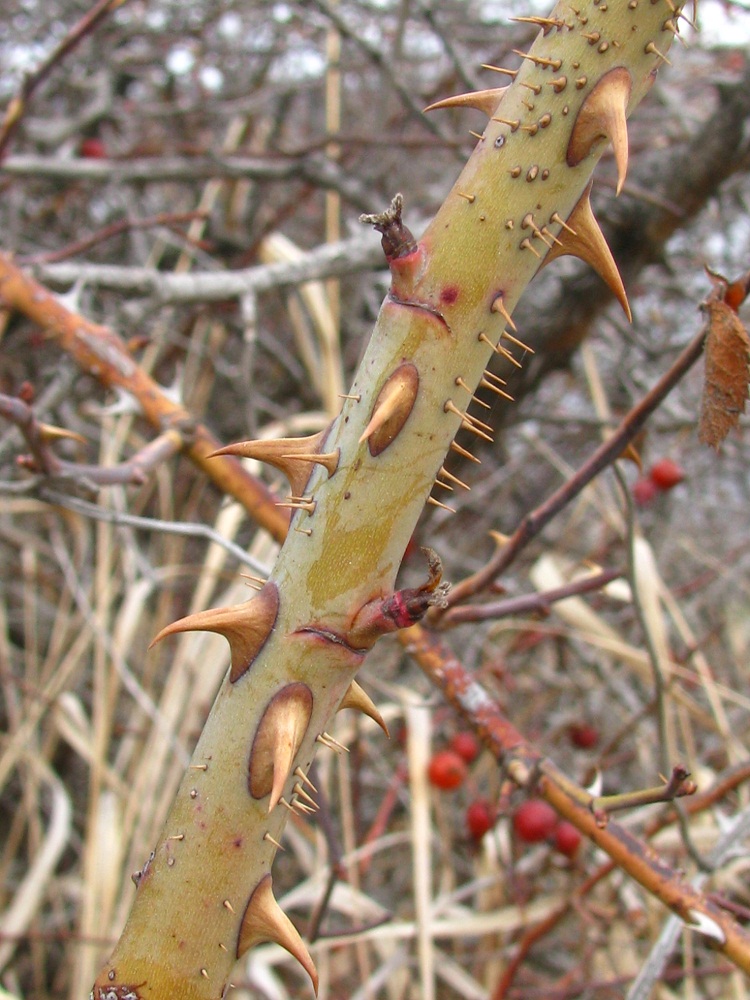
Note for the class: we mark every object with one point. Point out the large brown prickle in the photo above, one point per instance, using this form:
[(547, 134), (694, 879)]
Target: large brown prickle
[(358, 699), (392, 408), (277, 740), (264, 920), (580, 236), (602, 117), (482, 100), (245, 626), (292, 456)]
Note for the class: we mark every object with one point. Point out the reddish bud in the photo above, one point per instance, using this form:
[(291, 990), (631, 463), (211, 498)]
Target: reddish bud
[(397, 240)]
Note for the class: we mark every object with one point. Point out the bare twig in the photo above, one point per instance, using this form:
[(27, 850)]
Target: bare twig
[(736, 831), (677, 786), (360, 253), (528, 603), (171, 219), (44, 461), (311, 169), (389, 72), (120, 518), (97, 350)]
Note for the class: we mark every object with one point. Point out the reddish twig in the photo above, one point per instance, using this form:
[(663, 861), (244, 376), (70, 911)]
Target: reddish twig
[(698, 803), (45, 462), (527, 603)]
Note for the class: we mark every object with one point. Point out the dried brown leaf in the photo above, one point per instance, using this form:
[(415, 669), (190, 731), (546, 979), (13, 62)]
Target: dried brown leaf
[(726, 385)]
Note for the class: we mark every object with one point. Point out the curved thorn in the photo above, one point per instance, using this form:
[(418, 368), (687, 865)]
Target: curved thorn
[(246, 627), (392, 407), (292, 456), (482, 100), (603, 116), (277, 741), (356, 697), (583, 238), (264, 920)]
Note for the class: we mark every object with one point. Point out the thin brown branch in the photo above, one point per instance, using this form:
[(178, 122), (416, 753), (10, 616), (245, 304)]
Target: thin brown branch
[(528, 604), (43, 460), (385, 65), (170, 219), (698, 803)]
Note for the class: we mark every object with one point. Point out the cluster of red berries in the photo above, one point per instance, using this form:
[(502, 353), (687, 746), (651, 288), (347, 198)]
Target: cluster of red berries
[(448, 770), (533, 821), (663, 475)]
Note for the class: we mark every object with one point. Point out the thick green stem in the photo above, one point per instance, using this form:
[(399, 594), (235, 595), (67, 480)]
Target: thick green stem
[(205, 896)]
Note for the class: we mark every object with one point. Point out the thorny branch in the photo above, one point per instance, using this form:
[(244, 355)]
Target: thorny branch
[(699, 802), (105, 172), (43, 460)]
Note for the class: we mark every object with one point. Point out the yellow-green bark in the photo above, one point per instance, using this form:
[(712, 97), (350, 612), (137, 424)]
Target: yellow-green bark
[(525, 177)]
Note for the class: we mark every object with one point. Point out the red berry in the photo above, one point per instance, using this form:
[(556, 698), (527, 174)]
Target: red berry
[(583, 735), (479, 818), (534, 820), (644, 491), (447, 770), (92, 149), (567, 838), (466, 746), (666, 474)]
